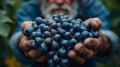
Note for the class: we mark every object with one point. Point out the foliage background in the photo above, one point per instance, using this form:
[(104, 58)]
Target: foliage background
[(8, 10)]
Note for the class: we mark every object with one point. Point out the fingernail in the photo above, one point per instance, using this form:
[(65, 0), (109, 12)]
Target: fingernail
[(72, 54), (78, 46)]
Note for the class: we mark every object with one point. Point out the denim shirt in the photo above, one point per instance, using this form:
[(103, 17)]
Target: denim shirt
[(28, 11)]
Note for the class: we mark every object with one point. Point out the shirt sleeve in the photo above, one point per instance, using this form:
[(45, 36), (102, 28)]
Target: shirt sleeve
[(14, 45), (95, 9), (22, 15)]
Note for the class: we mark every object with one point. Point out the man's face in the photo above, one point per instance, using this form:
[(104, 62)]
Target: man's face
[(60, 3), (50, 7)]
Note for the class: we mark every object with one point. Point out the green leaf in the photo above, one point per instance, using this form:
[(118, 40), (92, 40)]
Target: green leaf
[(4, 30), (4, 18), (2, 12)]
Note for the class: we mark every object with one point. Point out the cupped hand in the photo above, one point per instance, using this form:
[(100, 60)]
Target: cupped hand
[(24, 45)]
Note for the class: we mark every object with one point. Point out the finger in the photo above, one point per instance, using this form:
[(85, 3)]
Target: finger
[(42, 58), (73, 55), (83, 51), (25, 45), (103, 38), (88, 20), (92, 43), (80, 59), (34, 54), (23, 37), (25, 24), (95, 23)]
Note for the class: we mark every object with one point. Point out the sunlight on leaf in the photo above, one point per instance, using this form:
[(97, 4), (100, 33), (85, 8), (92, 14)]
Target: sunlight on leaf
[(4, 30)]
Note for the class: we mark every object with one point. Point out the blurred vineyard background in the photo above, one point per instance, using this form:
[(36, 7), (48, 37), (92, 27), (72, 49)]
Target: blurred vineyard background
[(8, 10)]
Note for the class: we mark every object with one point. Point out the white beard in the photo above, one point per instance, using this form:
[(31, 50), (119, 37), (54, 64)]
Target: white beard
[(46, 9)]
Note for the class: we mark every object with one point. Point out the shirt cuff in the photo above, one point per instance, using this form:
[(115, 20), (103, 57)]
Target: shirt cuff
[(114, 44), (14, 45)]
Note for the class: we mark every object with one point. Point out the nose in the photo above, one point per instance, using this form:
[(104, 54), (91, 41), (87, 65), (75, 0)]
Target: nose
[(59, 2)]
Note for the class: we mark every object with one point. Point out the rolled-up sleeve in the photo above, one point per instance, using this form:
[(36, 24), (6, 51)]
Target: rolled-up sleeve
[(113, 39), (14, 45), (22, 15), (95, 9)]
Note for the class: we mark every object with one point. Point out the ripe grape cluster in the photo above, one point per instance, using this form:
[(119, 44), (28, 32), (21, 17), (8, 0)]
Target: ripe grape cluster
[(57, 37)]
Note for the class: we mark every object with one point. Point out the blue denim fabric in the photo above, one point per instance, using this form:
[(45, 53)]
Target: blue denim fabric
[(28, 11)]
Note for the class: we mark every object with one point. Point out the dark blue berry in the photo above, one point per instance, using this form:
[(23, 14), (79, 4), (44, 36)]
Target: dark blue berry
[(73, 21), (56, 19), (62, 53), (79, 20), (67, 35), (39, 30), (85, 34), (33, 35), (64, 62), (28, 31), (43, 48), (55, 45), (83, 28), (71, 31), (38, 20), (61, 32), (57, 37), (38, 34), (56, 58), (65, 43), (59, 25), (33, 45), (72, 42), (47, 34), (96, 34), (76, 28), (71, 25), (51, 54), (45, 21), (91, 35), (77, 35), (61, 14), (51, 63), (35, 27), (53, 31), (55, 15), (66, 26), (38, 41), (63, 19), (41, 26), (54, 25), (46, 28), (48, 41)]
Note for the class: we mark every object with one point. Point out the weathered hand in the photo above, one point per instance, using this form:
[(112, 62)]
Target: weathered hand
[(25, 46), (90, 46)]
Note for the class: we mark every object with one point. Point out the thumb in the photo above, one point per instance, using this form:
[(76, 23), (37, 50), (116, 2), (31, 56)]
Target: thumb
[(26, 24), (95, 23)]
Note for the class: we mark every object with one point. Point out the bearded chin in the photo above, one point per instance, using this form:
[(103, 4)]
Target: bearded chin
[(46, 10)]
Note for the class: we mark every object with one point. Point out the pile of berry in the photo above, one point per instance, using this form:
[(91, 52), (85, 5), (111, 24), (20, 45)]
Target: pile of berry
[(57, 37)]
